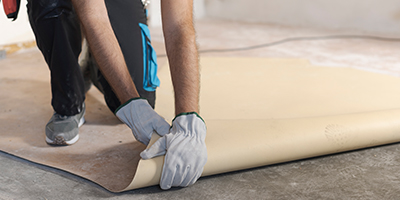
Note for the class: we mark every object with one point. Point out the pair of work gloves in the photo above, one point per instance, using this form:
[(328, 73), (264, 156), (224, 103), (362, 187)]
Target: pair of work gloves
[(183, 143)]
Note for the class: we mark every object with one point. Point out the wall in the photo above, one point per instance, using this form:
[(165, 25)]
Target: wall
[(377, 16), (20, 31), (16, 31)]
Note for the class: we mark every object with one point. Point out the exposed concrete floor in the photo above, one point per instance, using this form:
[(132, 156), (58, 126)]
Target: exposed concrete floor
[(364, 174)]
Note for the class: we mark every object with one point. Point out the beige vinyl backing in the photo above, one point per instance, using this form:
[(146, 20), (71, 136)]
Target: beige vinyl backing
[(258, 111)]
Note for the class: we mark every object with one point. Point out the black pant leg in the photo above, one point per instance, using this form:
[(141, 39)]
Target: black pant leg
[(58, 36), (125, 16)]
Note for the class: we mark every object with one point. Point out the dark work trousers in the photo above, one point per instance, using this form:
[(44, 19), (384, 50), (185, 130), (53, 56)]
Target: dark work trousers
[(58, 36)]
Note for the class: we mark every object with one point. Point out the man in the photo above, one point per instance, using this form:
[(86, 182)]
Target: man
[(184, 143)]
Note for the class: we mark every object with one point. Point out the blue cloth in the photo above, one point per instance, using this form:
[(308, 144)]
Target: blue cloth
[(150, 79)]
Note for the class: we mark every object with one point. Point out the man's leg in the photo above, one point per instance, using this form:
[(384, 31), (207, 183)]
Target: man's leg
[(125, 17), (58, 36)]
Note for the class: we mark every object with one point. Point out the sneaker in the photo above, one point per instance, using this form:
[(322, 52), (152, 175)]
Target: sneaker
[(63, 130)]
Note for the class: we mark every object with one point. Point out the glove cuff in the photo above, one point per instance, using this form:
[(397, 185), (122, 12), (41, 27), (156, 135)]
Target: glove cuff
[(126, 103), (188, 113)]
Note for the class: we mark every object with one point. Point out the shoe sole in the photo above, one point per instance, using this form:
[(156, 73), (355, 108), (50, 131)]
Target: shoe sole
[(60, 141)]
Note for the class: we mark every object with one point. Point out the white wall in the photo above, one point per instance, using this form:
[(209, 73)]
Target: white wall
[(16, 31), (20, 30), (378, 16)]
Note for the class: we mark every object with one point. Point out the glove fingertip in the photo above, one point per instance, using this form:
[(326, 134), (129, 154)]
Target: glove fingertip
[(162, 129), (157, 149), (145, 155), (165, 187)]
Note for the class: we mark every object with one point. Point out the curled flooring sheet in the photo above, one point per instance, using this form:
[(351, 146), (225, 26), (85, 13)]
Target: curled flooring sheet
[(258, 112)]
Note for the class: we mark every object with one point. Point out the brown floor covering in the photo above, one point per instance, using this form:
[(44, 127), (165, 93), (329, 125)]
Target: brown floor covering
[(370, 55)]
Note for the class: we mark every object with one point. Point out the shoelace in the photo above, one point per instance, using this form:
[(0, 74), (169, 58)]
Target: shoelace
[(60, 116)]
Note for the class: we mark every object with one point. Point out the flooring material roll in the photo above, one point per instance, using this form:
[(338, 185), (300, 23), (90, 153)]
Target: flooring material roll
[(258, 112), (266, 111)]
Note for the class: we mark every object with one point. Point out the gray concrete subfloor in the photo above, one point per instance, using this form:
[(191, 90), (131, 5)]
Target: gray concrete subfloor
[(363, 174)]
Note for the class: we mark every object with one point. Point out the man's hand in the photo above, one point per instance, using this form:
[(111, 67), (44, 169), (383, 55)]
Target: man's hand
[(142, 119), (185, 151)]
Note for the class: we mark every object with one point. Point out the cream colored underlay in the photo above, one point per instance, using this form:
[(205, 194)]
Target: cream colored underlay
[(262, 111), (258, 111)]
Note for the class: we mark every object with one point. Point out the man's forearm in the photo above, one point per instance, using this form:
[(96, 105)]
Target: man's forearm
[(180, 41), (183, 60), (105, 48)]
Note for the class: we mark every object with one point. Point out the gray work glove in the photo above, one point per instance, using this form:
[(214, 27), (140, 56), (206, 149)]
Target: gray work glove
[(185, 151), (142, 119)]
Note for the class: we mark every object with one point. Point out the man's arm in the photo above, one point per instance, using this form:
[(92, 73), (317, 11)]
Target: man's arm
[(184, 146), (180, 42), (105, 48), (136, 113)]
